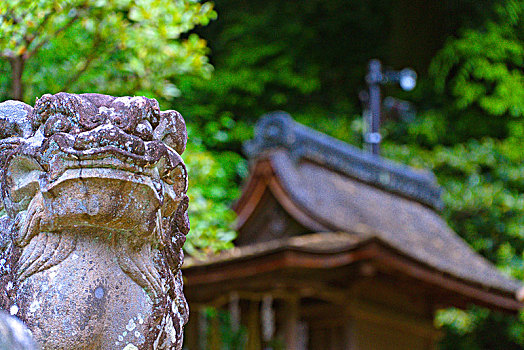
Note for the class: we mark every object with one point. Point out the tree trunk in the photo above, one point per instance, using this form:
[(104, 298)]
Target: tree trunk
[(17, 69)]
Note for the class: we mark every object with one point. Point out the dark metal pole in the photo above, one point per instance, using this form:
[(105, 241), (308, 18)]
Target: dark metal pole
[(374, 80)]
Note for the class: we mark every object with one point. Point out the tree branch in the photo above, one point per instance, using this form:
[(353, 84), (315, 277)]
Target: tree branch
[(31, 53), (29, 40), (10, 12)]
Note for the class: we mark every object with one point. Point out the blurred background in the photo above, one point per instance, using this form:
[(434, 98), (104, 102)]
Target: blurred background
[(224, 64)]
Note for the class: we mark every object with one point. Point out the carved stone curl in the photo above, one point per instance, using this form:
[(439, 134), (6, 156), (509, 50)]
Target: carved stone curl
[(94, 193)]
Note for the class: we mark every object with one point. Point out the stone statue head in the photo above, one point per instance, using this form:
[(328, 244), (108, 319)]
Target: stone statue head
[(95, 215)]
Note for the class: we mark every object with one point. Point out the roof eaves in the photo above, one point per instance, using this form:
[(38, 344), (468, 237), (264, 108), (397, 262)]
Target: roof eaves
[(382, 253)]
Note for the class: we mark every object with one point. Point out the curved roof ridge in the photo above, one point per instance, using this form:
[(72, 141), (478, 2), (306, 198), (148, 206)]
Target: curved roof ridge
[(279, 130)]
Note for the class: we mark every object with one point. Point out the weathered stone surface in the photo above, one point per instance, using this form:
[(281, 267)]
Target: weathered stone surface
[(94, 189)]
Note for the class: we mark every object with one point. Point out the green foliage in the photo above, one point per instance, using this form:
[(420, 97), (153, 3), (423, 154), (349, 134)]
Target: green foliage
[(306, 57), (483, 68), (223, 336), (212, 190), (272, 55), (477, 329), (109, 46)]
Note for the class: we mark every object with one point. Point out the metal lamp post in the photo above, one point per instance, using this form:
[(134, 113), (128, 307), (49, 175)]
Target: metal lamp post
[(406, 78)]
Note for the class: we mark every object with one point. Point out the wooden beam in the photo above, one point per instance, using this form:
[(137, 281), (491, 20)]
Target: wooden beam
[(291, 319), (262, 178), (478, 294), (274, 261), (379, 314), (250, 200), (384, 258), (261, 170), (289, 289)]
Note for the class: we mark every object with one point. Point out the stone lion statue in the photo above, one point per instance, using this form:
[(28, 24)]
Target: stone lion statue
[(95, 216)]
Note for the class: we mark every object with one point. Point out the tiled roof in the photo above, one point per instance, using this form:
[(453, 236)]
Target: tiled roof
[(278, 130)]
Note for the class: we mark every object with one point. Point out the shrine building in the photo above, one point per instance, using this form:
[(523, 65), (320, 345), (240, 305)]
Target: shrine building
[(339, 249)]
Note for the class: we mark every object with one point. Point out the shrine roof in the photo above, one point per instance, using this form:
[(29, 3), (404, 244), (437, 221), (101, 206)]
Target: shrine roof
[(279, 131), (327, 185)]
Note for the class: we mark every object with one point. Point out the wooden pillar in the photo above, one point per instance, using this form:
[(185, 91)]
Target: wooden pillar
[(253, 327), (215, 341), (291, 319), (234, 311), (350, 336), (191, 330)]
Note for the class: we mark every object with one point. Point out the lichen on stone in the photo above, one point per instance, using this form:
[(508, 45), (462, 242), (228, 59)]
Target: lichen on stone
[(94, 193)]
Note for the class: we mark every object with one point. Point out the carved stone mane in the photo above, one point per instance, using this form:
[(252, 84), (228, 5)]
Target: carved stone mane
[(94, 193)]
